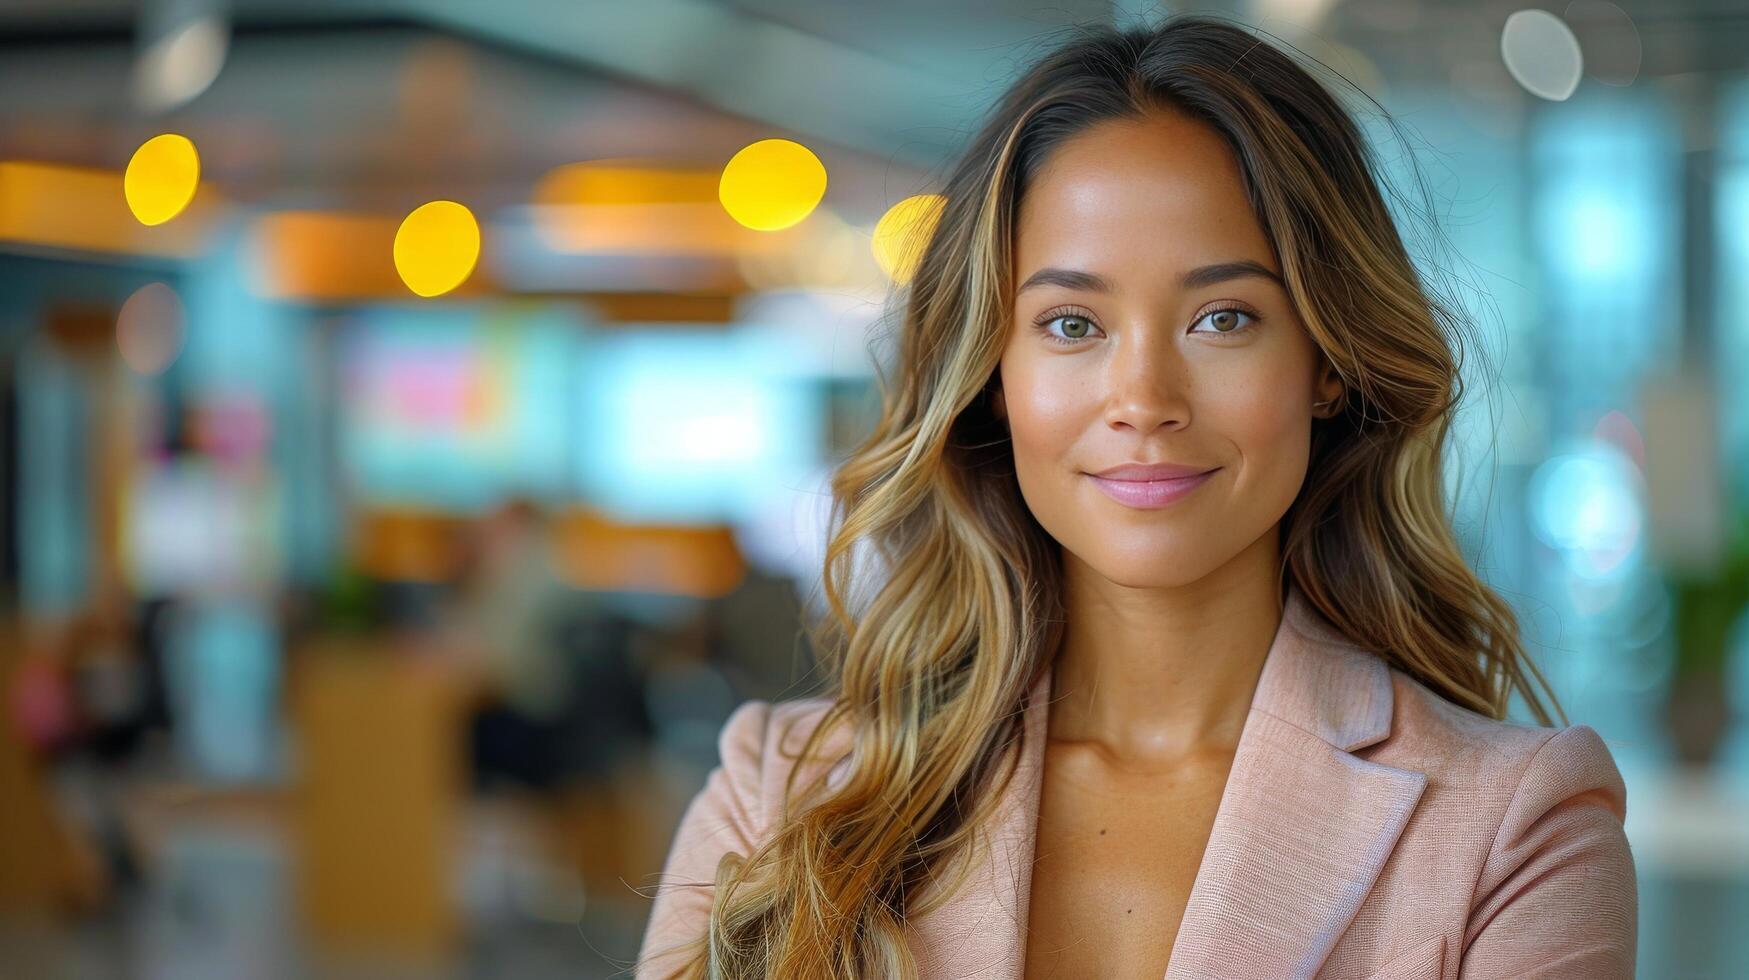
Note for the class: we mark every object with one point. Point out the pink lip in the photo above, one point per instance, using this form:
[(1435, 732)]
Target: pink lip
[(1147, 494), (1152, 471)]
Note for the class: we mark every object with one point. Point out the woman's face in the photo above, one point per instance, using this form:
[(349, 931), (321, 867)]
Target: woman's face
[(1150, 326)]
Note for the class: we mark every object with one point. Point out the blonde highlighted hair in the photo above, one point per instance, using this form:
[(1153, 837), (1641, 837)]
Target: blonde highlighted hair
[(930, 666)]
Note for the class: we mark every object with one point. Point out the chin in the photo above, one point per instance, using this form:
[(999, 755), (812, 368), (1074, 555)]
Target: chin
[(1164, 568)]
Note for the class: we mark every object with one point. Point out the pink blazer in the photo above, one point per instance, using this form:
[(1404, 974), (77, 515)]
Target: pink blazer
[(1368, 828)]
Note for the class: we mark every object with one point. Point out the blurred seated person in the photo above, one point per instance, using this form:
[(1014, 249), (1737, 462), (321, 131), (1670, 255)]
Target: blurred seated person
[(501, 625), (560, 720)]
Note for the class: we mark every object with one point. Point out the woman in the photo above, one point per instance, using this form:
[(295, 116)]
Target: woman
[(1174, 667)]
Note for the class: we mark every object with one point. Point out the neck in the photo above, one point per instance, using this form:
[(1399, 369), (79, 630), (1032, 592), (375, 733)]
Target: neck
[(1156, 674)]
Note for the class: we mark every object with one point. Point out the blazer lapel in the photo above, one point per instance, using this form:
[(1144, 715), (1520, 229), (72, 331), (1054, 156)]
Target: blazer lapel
[(1304, 826), (1302, 830)]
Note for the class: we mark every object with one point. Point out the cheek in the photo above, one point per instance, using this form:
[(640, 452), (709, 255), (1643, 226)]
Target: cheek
[(1271, 433), (1259, 417), (1044, 412)]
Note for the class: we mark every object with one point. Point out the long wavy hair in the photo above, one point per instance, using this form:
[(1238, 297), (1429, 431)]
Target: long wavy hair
[(931, 655)]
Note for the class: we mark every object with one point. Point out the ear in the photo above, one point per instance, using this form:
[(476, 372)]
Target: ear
[(998, 406), (1328, 389)]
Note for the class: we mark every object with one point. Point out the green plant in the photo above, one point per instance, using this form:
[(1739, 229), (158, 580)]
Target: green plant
[(1706, 607)]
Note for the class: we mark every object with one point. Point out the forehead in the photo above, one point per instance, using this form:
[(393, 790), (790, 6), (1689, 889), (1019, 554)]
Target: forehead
[(1136, 199)]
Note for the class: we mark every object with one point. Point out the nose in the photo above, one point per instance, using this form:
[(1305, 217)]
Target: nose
[(1146, 382)]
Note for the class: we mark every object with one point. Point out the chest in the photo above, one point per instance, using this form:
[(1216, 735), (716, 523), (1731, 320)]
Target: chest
[(1114, 861)]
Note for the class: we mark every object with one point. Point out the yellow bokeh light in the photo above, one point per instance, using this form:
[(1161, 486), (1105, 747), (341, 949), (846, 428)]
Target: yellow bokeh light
[(436, 247), (161, 178), (902, 233), (772, 184)]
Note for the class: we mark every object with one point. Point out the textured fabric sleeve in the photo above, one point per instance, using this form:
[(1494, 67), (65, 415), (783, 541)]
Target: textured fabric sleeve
[(1557, 896), (724, 816)]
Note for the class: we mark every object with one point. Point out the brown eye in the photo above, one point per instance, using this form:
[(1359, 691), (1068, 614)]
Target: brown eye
[(1076, 328), (1227, 320)]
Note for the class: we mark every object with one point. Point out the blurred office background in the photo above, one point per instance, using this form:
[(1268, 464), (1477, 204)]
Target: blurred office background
[(414, 419)]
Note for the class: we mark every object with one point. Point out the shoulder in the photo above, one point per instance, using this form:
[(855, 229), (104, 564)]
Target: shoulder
[(1549, 802), (1545, 806), (1464, 746), (759, 746), (731, 814), (1556, 886)]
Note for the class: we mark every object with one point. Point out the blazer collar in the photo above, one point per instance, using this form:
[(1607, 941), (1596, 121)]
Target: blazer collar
[(1302, 830)]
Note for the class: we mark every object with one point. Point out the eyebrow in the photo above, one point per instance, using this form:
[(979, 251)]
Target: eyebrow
[(1197, 278)]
